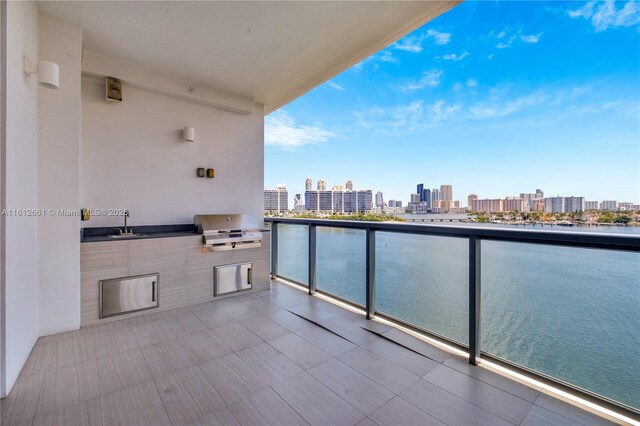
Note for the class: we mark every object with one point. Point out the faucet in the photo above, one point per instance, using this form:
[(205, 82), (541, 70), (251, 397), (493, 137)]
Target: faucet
[(126, 230)]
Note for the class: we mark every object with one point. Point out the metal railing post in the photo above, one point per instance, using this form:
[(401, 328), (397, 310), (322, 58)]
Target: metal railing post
[(312, 259), (371, 274), (274, 249), (474, 299)]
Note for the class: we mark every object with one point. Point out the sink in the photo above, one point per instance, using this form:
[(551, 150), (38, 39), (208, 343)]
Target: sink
[(125, 236)]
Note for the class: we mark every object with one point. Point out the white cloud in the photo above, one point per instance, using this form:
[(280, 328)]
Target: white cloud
[(532, 38), (585, 11), (506, 40), (490, 56), (502, 109), (454, 57), (386, 56), (281, 130), (440, 112), (336, 86), (383, 56), (439, 37), (472, 82), (411, 44), (430, 78), (408, 117), (507, 43), (604, 15), (398, 117)]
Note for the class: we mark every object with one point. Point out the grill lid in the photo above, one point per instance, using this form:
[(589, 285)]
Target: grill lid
[(228, 232), (227, 223)]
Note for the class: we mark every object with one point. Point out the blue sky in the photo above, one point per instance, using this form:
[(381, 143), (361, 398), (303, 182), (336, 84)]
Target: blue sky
[(494, 98)]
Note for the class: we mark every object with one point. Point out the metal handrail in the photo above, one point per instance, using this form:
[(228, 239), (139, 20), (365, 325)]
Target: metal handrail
[(598, 240), (475, 236)]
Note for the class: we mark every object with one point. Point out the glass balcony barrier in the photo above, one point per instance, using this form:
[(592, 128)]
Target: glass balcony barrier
[(563, 306)]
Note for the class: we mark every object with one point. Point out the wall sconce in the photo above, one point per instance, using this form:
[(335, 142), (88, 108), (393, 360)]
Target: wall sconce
[(48, 72), (189, 134)]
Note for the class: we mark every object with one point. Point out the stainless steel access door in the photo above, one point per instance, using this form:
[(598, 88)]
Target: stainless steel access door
[(123, 295), (231, 278)]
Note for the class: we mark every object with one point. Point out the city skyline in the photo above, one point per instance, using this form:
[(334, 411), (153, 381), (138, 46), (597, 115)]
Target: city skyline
[(538, 194), (494, 97)]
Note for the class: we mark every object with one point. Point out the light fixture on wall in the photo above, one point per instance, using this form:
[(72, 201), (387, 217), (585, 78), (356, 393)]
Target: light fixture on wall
[(48, 72), (189, 134)]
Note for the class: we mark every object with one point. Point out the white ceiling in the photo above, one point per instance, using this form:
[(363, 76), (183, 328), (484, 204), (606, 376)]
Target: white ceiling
[(272, 52)]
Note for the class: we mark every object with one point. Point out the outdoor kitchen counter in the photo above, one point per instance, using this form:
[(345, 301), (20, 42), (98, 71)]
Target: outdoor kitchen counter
[(99, 234), (185, 272)]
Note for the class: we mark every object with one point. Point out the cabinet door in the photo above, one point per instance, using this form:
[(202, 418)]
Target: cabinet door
[(124, 295), (231, 278)]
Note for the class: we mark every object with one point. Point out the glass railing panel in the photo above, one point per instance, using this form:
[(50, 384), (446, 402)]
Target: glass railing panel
[(293, 252), (341, 262), (569, 313), (424, 280)]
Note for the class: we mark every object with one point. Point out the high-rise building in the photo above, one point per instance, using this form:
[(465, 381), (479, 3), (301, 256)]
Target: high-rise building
[(337, 200), (349, 185), (350, 201), (513, 204), (539, 193), (609, 205), (528, 199), (574, 204), (446, 192), (470, 199), (487, 205), (379, 199), (276, 200), (419, 189), (537, 204), (591, 205), (554, 205), (308, 184), (325, 201), (625, 206), (364, 200), (435, 198), (311, 200), (298, 203), (426, 197), (415, 198)]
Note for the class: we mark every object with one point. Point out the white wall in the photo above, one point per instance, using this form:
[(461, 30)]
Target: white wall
[(21, 180), (132, 157), (59, 179), (68, 148)]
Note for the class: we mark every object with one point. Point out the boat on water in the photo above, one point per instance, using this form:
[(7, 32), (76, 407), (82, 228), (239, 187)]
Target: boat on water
[(565, 223)]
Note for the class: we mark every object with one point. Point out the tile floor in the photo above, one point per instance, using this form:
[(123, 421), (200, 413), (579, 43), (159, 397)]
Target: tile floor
[(254, 359)]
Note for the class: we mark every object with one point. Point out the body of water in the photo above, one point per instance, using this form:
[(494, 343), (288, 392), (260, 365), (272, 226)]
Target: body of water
[(570, 313)]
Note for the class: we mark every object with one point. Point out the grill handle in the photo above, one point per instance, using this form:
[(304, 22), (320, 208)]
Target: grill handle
[(249, 276)]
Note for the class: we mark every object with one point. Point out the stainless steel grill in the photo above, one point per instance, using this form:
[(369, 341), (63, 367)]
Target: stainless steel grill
[(222, 232)]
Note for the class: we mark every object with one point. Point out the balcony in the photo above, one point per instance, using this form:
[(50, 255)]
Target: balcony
[(357, 336), (557, 307), (275, 357)]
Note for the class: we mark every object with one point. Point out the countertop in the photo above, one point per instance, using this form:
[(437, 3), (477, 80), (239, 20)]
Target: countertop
[(98, 234), (92, 235)]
